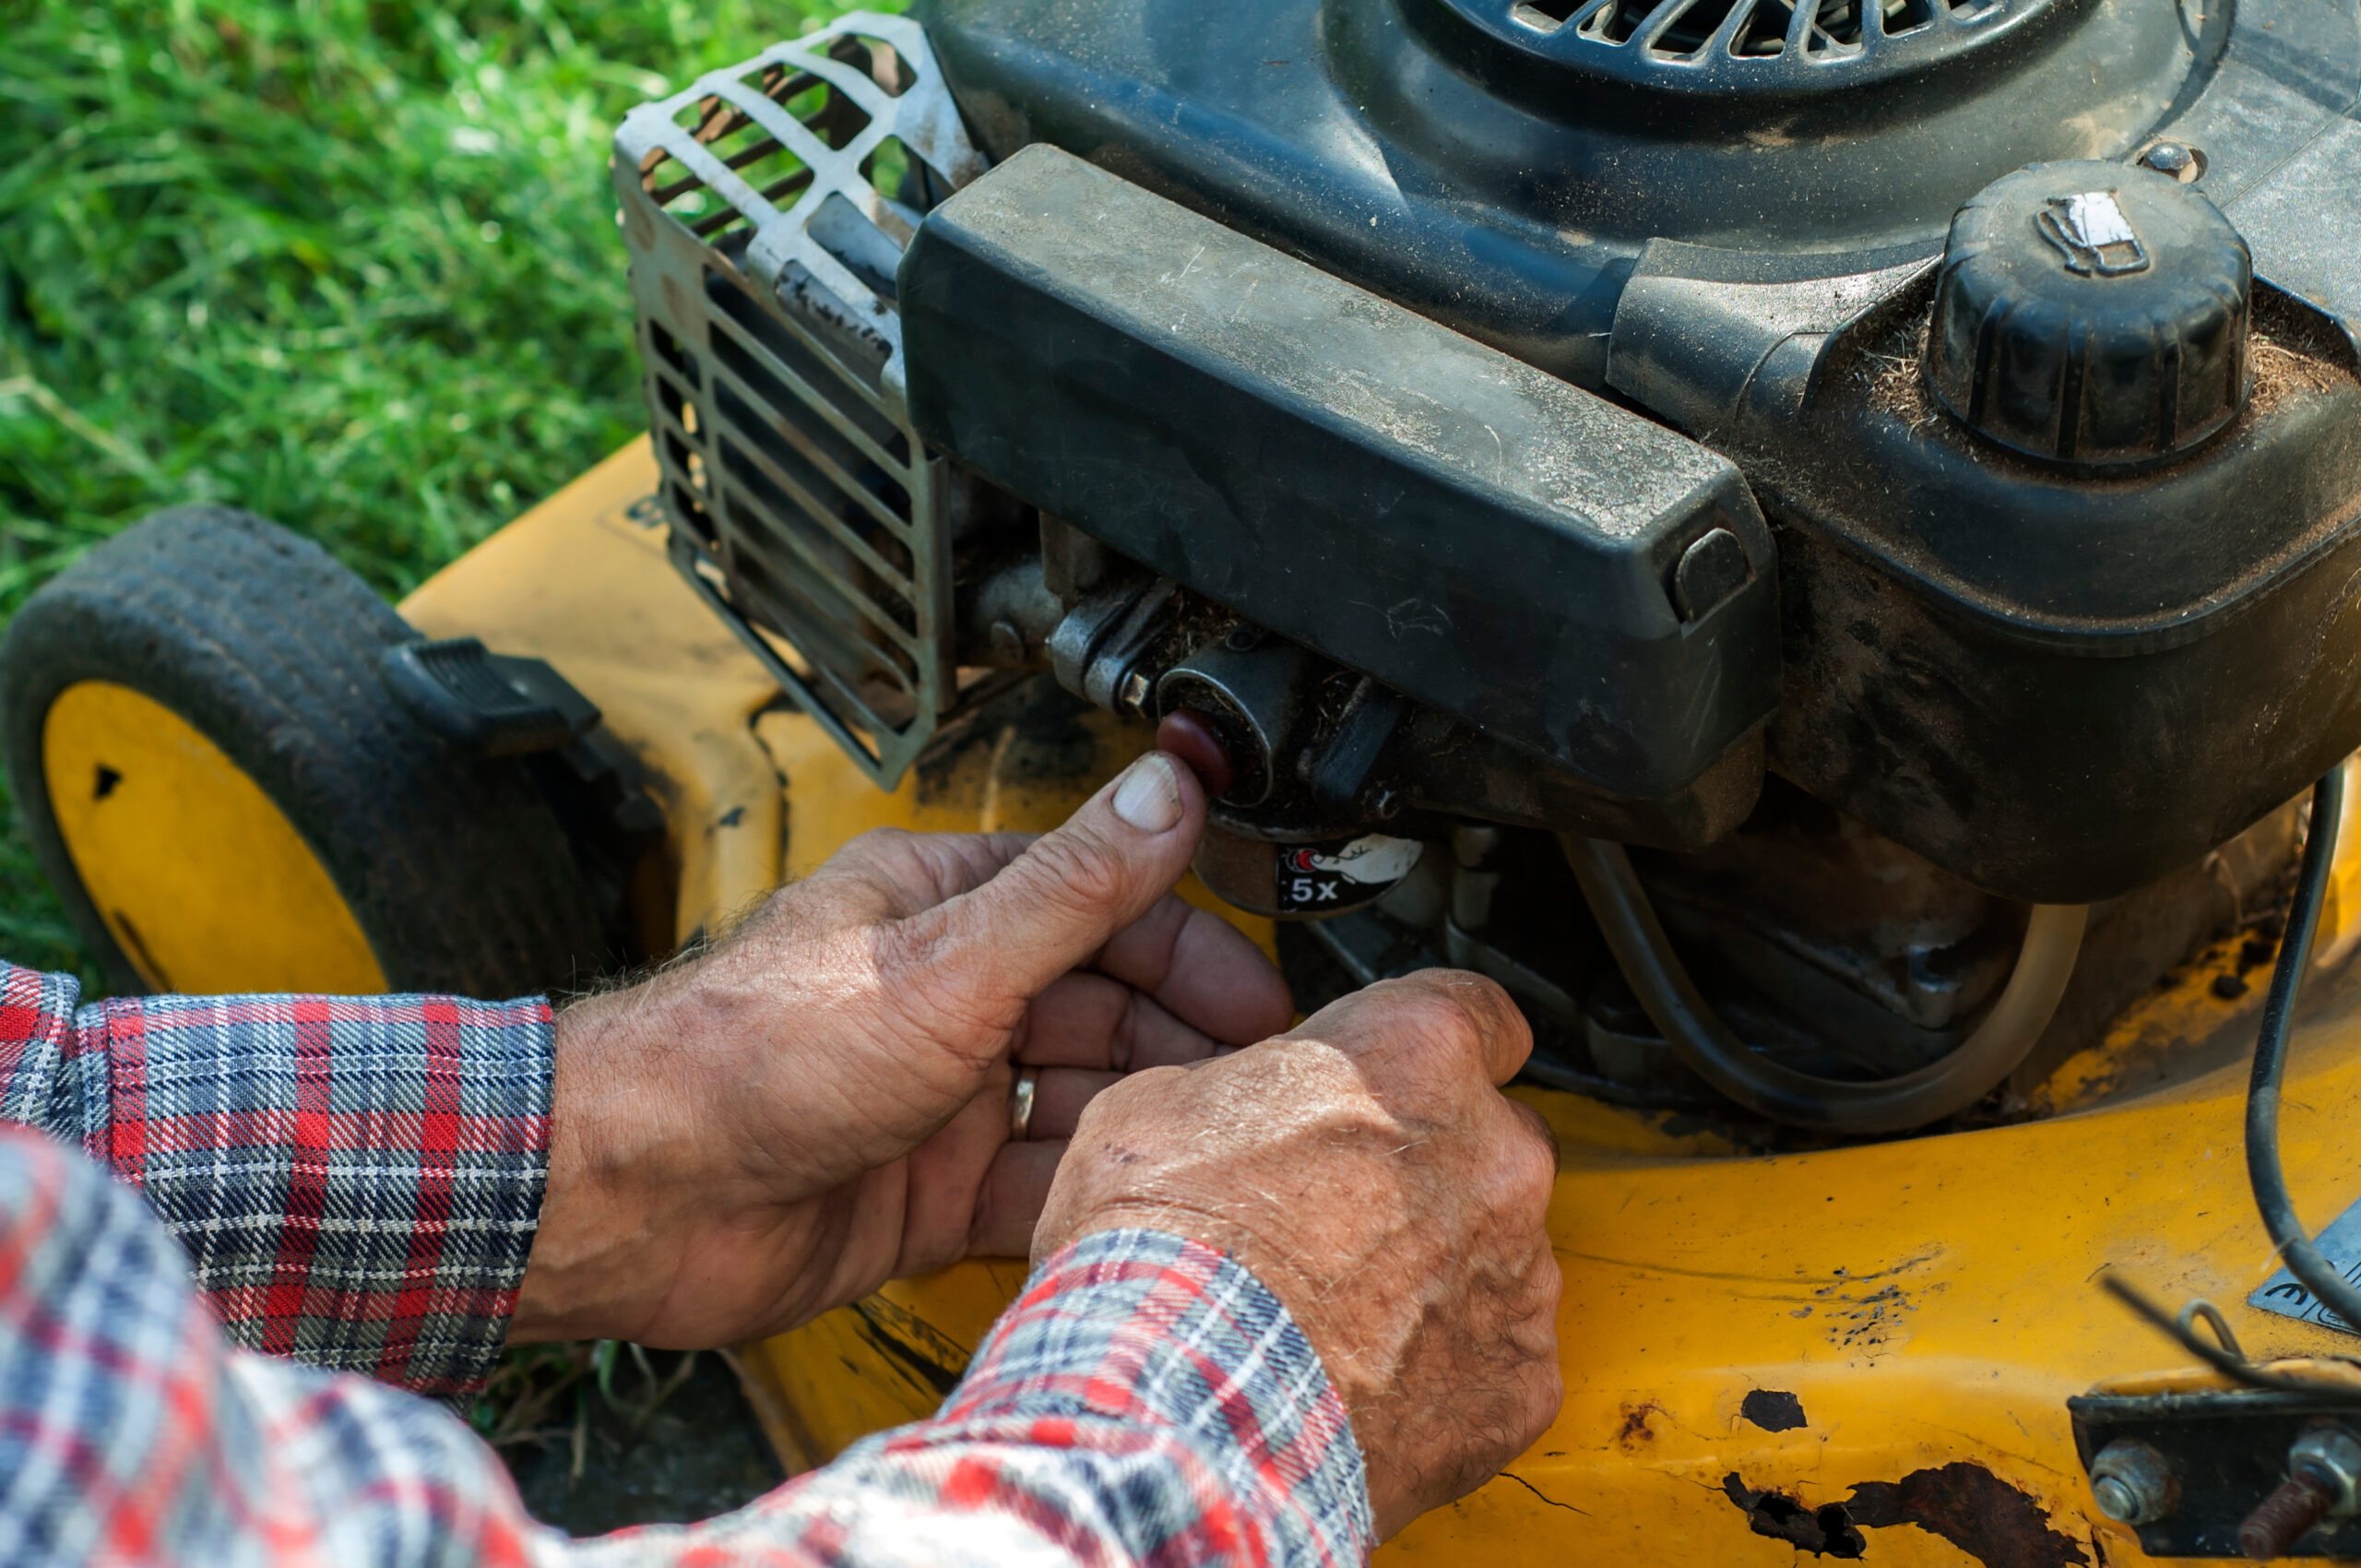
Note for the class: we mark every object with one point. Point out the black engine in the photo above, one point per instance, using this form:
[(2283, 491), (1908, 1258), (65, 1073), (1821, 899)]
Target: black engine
[(1512, 427)]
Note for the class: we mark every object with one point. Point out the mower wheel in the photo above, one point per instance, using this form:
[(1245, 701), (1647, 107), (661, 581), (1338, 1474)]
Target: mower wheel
[(227, 797)]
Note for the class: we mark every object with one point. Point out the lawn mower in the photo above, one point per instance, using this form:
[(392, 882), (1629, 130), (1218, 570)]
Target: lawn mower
[(1817, 542)]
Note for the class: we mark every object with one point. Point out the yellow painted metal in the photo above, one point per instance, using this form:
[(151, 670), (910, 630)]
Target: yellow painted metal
[(1928, 1303), (582, 580), (203, 882)]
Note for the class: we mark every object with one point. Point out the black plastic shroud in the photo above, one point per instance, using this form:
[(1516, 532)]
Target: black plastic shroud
[(1506, 192), (2057, 684), (1471, 531)]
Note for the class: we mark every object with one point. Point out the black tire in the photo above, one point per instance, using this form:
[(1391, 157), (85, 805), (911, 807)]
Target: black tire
[(455, 867)]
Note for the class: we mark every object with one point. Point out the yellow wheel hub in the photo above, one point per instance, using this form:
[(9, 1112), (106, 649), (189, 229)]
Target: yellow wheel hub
[(202, 881)]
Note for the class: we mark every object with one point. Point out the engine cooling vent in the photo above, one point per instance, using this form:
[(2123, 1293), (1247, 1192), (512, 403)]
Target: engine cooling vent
[(765, 208), (1740, 45)]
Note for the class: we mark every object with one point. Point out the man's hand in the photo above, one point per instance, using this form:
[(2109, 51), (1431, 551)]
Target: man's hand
[(1365, 1169), (821, 1102)]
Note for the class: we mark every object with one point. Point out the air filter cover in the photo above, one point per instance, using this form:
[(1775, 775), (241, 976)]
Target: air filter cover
[(2091, 314)]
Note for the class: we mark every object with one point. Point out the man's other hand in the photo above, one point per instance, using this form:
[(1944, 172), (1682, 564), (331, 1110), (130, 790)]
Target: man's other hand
[(821, 1102), (1367, 1171)]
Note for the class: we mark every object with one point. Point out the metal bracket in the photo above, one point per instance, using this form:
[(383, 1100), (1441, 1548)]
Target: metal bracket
[(765, 208)]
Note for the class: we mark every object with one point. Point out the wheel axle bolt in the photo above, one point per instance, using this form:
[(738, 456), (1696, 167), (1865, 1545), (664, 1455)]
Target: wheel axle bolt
[(2133, 1484), (2323, 1483)]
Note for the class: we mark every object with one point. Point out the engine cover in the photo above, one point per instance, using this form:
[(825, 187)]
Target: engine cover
[(2057, 659), (1475, 162)]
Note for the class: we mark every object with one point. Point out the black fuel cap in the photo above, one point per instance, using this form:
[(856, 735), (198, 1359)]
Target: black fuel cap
[(2092, 312)]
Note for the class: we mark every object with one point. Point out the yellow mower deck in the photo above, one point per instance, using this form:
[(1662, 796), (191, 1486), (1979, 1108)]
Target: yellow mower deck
[(1908, 1317)]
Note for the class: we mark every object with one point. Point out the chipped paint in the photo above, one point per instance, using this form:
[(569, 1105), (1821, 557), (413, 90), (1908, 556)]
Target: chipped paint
[(1963, 1502), (1773, 1410), (1968, 1505)]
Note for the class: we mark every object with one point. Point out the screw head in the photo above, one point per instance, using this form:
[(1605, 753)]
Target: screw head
[(2116, 1500), (2178, 160), (2133, 1484)]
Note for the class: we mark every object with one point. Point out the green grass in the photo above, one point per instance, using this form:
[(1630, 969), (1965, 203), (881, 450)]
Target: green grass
[(353, 266)]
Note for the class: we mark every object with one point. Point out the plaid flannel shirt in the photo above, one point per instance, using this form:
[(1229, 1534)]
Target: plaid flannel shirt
[(354, 1184)]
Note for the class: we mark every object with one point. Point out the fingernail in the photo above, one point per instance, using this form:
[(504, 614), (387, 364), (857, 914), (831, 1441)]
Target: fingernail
[(1149, 796)]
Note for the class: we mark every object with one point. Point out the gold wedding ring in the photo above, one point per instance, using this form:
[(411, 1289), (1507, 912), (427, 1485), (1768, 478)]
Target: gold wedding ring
[(1020, 1104)]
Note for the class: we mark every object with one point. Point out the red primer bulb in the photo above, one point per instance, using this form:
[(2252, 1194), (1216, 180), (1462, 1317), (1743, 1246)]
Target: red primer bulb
[(1192, 739)]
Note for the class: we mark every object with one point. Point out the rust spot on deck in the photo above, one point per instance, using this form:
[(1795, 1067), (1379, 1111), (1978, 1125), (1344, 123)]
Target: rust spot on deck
[(1634, 1432), (1972, 1509), (1963, 1502)]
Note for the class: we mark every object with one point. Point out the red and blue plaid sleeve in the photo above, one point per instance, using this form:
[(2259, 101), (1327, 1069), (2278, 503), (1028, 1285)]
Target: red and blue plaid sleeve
[(130, 1433), (355, 1181), (1146, 1402)]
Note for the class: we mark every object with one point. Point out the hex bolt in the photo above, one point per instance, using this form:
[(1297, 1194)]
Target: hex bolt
[(2324, 1482), (2134, 1483), (2330, 1455)]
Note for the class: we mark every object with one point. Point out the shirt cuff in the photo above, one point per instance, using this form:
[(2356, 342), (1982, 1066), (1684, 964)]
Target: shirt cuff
[(1154, 1332), (356, 1180)]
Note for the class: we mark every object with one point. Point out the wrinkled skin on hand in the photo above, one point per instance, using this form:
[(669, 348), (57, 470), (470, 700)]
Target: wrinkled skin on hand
[(1367, 1171), (821, 1102)]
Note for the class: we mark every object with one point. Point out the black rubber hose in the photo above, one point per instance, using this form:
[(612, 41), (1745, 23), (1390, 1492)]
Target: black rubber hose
[(2287, 1234), (1698, 1036)]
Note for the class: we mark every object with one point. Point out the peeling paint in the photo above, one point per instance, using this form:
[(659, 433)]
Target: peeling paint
[(1974, 1510), (1997, 1524), (1773, 1410), (1869, 1320), (1825, 1531)]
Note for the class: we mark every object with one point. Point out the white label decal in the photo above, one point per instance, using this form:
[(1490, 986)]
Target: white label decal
[(2341, 1244)]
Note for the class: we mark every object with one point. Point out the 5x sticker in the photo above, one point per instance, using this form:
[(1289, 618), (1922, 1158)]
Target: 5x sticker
[(1333, 877)]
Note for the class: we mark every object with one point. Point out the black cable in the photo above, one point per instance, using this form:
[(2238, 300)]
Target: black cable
[(2287, 1234), (2224, 1358), (1710, 1048)]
